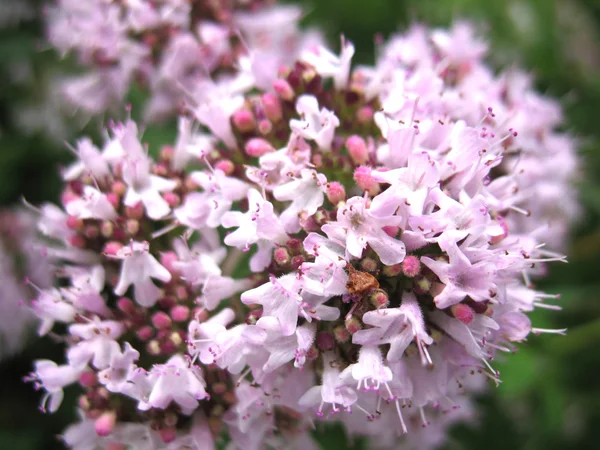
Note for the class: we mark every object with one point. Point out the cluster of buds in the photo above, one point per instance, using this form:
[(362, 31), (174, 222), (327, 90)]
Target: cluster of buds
[(166, 47), (340, 245)]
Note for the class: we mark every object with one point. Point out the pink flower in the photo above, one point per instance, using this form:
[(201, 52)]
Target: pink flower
[(461, 278), (138, 268), (315, 125), (356, 227)]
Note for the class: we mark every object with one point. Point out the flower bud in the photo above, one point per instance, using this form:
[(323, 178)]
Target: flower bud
[(257, 147), (325, 341), (180, 313), (132, 227), (265, 127), (463, 313), (353, 325), (297, 261), (172, 199), (112, 247), (364, 115), (422, 285), (281, 256), (88, 379), (161, 320), (340, 334), (107, 228), (335, 192), (74, 223), (379, 298), (167, 434), (135, 212), (392, 271), (119, 188), (368, 265), (168, 259), (105, 423), (283, 89), (145, 333), (244, 120), (363, 178), (167, 152), (272, 107), (226, 166), (357, 148), (411, 266)]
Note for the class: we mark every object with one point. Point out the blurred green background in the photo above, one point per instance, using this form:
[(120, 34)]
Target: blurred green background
[(550, 398)]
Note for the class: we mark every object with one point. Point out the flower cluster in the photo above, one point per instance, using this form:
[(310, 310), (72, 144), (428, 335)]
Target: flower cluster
[(348, 245), (19, 259), (167, 47)]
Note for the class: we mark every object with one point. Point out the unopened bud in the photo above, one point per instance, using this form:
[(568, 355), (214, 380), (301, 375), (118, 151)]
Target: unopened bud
[(226, 166), (335, 192), (244, 120), (368, 265), (167, 152), (112, 247), (411, 266), (379, 298), (272, 107), (265, 126), (135, 212), (74, 223), (172, 199), (257, 147), (364, 115), (325, 341), (340, 334), (107, 228), (105, 424), (132, 226), (357, 148), (363, 178), (161, 320), (145, 333), (392, 271), (180, 313), (281, 256), (168, 434), (283, 89), (353, 325), (463, 313), (422, 285), (119, 188), (297, 261)]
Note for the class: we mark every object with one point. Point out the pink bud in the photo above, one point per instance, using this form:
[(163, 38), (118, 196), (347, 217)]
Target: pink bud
[(297, 261), (325, 341), (77, 241), (113, 199), (392, 271), (362, 176), (180, 313), (88, 379), (172, 199), (135, 212), (107, 228), (357, 148), (368, 264), (112, 247), (283, 89), (126, 305), (91, 231), (281, 256), (168, 259), (353, 325), (226, 166), (391, 230), (74, 223), (161, 320), (364, 115), (294, 244), (105, 423), (265, 127), (145, 333), (119, 188), (244, 120), (132, 226), (411, 266), (463, 313), (167, 434), (341, 334), (272, 107), (167, 152), (336, 192), (257, 147), (379, 299)]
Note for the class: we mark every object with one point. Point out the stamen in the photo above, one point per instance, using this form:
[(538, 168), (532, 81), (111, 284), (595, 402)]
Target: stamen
[(537, 331)]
